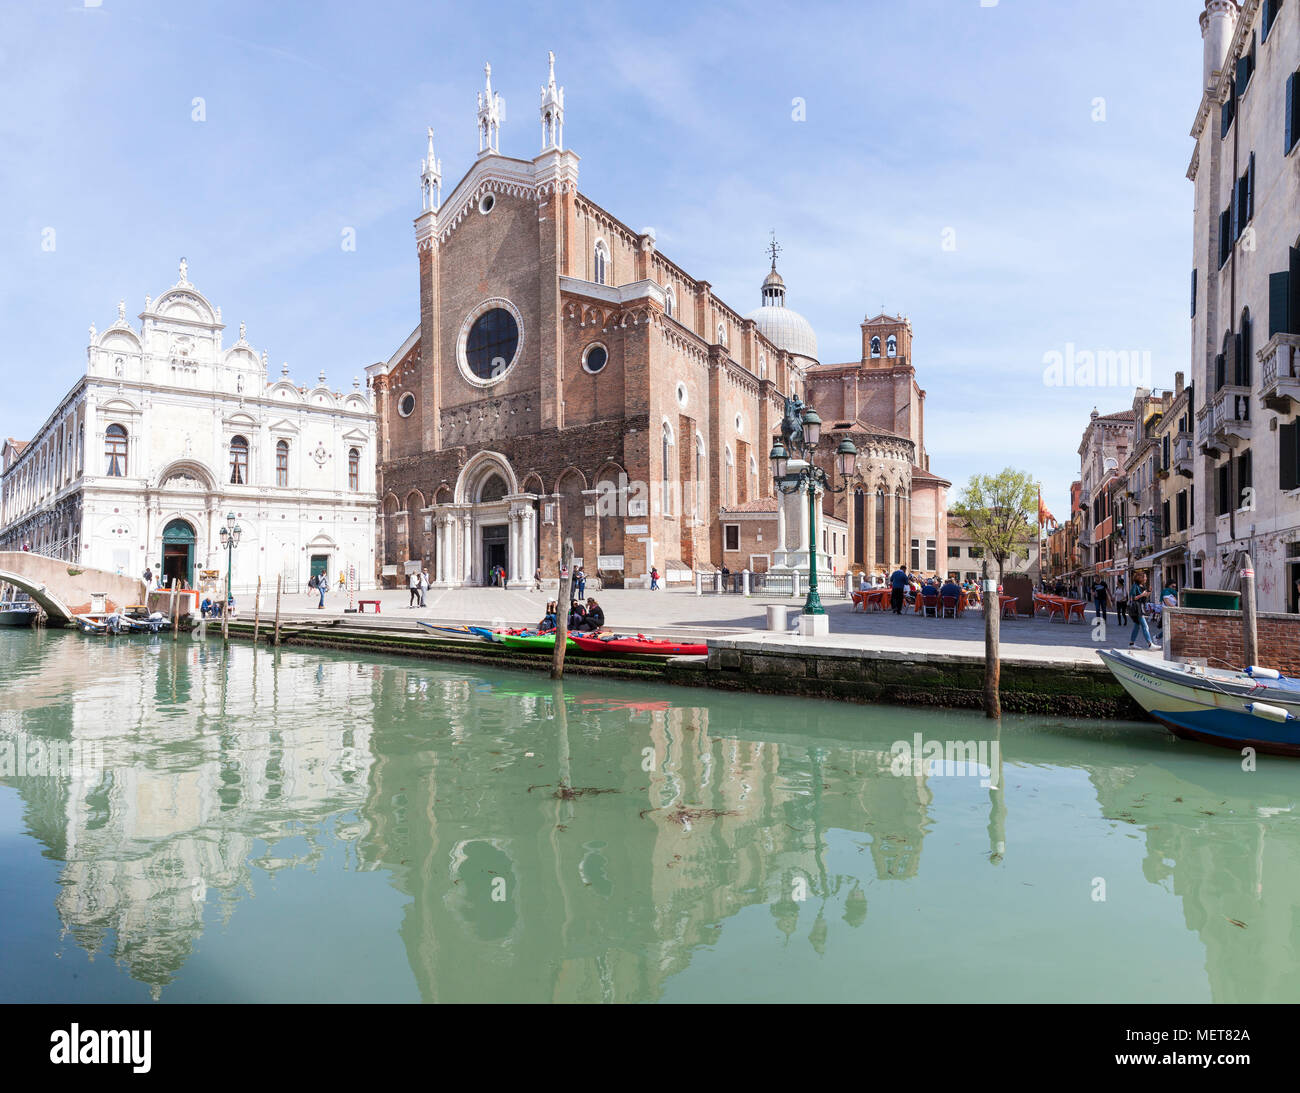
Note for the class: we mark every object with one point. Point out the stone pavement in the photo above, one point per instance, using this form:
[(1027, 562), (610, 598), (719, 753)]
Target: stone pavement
[(682, 613)]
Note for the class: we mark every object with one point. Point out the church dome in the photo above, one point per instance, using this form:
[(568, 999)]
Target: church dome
[(784, 328)]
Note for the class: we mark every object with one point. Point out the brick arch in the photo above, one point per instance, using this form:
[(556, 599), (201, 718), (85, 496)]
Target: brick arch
[(572, 510), (443, 495), (532, 483)]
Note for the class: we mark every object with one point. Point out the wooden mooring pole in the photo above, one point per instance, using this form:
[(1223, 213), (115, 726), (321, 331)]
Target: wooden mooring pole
[(1249, 627), (562, 610), (992, 654), (176, 614), (257, 611), (279, 585)]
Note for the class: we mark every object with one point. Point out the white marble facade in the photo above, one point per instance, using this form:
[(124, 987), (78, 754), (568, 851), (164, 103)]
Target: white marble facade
[(168, 431)]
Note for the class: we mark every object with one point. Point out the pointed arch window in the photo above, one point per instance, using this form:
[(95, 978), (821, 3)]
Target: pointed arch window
[(881, 560), (282, 463), (726, 479), (354, 470), (238, 461), (670, 303), (667, 443), (900, 500), (600, 263), (891, 346), (115, 451), (699, 475), (875, 345)]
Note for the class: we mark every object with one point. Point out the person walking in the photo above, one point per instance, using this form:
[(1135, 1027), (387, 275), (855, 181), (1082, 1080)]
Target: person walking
[(1099, 598), (537, 579), (897, 584), (148, 579), (1139, 594), (322, 585), (1121, 602), (654, 579), (413, 586), (424, 584), (312, 582)]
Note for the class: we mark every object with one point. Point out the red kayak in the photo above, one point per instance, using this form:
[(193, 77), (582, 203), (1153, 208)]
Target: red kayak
[(637, 643)]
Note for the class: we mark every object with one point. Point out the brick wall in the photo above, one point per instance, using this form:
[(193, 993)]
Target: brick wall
[(1215, 637)]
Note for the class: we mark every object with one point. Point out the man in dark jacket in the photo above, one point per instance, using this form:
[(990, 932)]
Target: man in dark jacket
[(897, 585), (594, 620)]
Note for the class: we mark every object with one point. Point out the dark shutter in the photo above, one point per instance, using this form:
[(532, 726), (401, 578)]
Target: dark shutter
[(1279, 299), (1293, 302), (1266, 21), (1243, 70), (1250, 188), (1288, 461), (1220, 370), (1193, 294), (1246, 324), (1291, 113), (1236, 359)]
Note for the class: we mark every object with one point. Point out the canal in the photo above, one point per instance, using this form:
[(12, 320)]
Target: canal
[(186, 823)]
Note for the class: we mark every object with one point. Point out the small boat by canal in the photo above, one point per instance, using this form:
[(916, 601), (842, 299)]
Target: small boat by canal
[(638, 644), (473, 633), (18, 612), (1257, 708), (533, 643)]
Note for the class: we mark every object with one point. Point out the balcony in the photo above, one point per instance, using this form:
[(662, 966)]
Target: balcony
[(1281, 371), (1225, 421), (1184, 455)]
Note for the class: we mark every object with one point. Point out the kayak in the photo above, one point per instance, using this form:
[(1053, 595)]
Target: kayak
[(536, 643), (640, 644), (475, 632)]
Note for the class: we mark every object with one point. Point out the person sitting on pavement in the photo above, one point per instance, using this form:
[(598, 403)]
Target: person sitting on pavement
[(576, 615), (593, 621), (549, 621)]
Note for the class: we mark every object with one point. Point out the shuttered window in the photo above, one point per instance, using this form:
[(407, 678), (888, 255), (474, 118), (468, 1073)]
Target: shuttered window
[(1193, 294), (1225, 240), (1226, 112), (1245, 479), (1292, 111), (1220, 369), (1181, 509), (1266, 20), (1288, 452), (1223, 498)]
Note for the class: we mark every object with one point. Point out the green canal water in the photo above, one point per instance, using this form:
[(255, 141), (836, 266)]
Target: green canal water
[(183, 823)]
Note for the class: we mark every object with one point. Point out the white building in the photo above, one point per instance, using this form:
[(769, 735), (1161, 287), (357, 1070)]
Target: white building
[(1245, 301), (167, 432)]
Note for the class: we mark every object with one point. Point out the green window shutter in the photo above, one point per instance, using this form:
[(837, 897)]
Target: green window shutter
[(1250, 188), (1245, 352), (1293, 302), (1236, 360), (1243, 71), (1279, 297), (1288, 462)]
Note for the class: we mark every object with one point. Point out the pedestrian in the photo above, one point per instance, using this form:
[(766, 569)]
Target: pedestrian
[(1121, 602), (424, 584), (580, 583), (148, 579), (413, 586), (897, 585), (537, 579), (311, 584), (1139, 594), (1099, 598), (654, 579), (343, 583), (322, 585)]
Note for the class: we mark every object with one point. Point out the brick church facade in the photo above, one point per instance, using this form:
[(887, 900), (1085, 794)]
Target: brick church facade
[(568, 380)]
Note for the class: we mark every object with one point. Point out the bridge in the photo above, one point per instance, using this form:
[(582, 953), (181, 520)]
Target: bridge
[(62, 588)]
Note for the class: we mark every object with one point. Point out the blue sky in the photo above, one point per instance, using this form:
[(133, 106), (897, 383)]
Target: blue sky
[(921, 116)]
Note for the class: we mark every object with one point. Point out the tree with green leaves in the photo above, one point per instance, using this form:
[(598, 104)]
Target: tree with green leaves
[(1001, 513)]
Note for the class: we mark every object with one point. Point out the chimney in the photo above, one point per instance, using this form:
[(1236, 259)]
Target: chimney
[(1218, 21)]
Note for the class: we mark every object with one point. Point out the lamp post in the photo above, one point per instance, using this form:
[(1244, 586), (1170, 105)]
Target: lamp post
[(801, 431), (229, 540)]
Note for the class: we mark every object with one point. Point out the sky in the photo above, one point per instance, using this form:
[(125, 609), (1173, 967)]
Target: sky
[(1009, 174)]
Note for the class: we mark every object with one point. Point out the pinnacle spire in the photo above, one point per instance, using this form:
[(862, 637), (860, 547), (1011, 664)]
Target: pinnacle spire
[(552, 110), (491, 106), (430, 178)]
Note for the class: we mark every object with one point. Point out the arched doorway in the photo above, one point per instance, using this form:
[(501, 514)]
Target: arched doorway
[(178, 554)]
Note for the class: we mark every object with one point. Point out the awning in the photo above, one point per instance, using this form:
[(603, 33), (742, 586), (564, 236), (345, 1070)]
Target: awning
[(1180, 548)]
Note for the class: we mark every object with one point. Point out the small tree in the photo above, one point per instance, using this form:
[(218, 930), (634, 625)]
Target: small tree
[(1001, 513)]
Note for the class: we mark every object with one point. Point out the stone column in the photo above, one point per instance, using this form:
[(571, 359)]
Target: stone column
[(512, 568), (440, 541), (780, 524), (467, 556)]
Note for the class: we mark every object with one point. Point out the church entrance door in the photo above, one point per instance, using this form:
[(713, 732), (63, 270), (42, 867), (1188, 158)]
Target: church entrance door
[(495, 549)]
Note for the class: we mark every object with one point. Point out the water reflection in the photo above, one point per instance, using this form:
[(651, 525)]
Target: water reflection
[(603, 842)]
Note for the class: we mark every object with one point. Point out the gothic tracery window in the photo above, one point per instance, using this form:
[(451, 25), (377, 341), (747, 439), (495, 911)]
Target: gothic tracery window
[(115, 451), (238, 461)]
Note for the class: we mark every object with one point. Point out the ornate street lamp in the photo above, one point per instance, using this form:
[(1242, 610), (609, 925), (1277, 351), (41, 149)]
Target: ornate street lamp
[(229, 540), (801, 430)]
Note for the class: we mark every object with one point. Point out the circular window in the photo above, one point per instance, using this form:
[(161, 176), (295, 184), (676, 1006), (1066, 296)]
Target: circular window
[(681, 395), (490, 342), (486, 203), (406, 405), (595, 358)]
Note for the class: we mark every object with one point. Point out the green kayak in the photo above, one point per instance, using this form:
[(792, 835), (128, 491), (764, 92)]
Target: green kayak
[(536, 642)]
